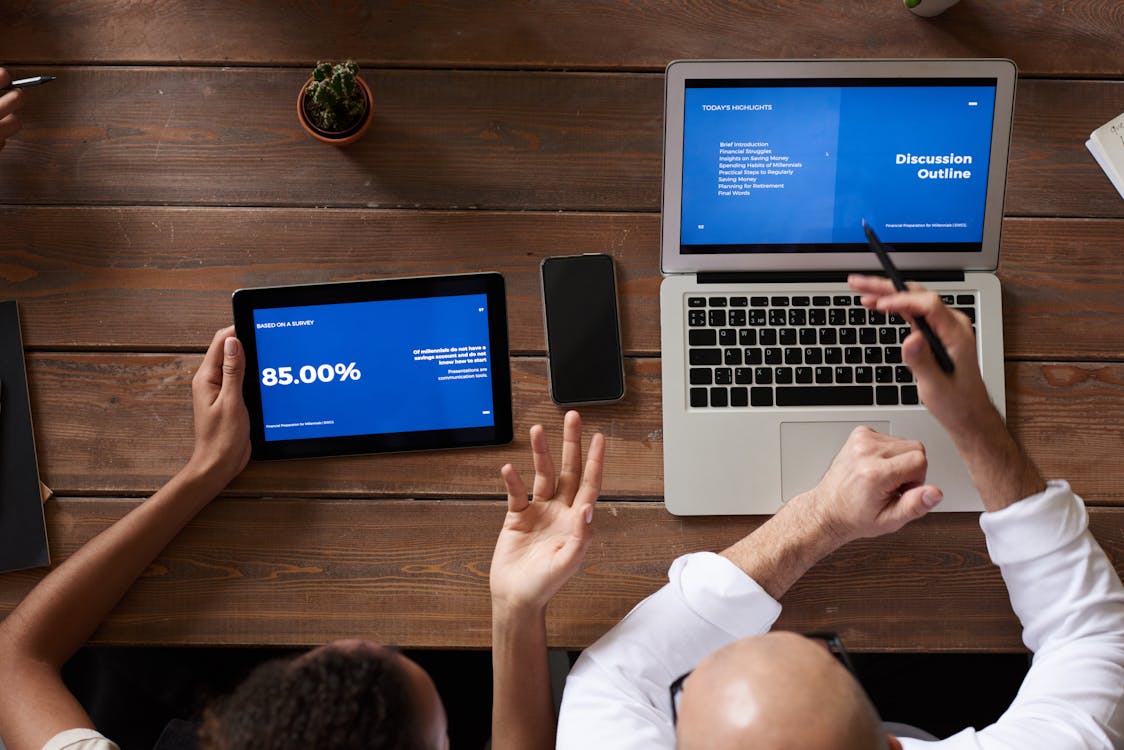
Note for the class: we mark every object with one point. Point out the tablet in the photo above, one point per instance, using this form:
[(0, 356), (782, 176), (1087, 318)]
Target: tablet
[(375, 366)]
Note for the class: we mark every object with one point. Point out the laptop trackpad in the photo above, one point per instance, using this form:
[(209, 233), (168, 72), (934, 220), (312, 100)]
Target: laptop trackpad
[(808, 448)]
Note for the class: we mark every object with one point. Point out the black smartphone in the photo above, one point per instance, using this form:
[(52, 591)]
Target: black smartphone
[(583, 333)]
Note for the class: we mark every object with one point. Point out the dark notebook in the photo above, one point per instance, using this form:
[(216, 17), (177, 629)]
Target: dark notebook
[(23, 534)]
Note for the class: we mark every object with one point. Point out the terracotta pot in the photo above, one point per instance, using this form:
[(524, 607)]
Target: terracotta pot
[(342, 137)]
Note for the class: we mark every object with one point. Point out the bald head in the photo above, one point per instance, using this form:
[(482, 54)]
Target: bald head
[(774, 692)]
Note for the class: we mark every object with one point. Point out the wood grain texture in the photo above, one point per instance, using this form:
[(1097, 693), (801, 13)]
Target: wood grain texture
[(1046, 37), (261, 571), (120, 424), (440, 139), (153, 278)]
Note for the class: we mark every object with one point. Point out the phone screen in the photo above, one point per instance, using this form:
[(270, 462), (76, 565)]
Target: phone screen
[(582, 329)]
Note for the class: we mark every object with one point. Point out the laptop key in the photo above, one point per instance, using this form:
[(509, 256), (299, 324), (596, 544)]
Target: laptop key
[(739, 397), (723, 376), (783, 375), (763, 375), (761, 396), (739, 301), (753, 356), (909, 394), (743, 375), (705, 356), (719, 397), (698, 397), (965, 299), (737, 318), (696, 302), (841, 300), (747, 337), (702, 337), (843, 375), (864, 374), (833, 355), (774, 355), (696, 318), (803, 374), (777, 318), (848, 336), (701, 376), (732, 356), (902, 374), (823, 375), (768, 337), (727, 337), (787, 337), (821, 301), (717, 301), (779, 301), (833, 395), (716, 318), (884, 374), (758, 301), (886, 395)]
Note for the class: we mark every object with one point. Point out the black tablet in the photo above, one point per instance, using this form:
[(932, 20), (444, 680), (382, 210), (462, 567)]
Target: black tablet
[(376, 366)]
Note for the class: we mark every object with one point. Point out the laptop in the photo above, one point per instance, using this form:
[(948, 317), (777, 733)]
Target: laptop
[(770, 168)]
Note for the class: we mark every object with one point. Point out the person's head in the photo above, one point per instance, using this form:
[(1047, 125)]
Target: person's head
[(346, 695), (777, 691)]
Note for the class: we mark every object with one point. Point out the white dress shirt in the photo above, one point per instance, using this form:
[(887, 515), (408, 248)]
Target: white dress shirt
[(1063, 588)]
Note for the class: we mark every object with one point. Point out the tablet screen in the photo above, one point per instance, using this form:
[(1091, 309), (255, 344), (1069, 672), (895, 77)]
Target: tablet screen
[(388, 365)]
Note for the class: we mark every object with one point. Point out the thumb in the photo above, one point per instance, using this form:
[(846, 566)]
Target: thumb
[(233, 367), (914, 503), (918, 357)]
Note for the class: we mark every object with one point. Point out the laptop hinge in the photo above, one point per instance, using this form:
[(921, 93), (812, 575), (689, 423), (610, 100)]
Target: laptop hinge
[(787, 277)]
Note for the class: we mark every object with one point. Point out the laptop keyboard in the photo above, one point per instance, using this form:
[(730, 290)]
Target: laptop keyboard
[(802, 350)]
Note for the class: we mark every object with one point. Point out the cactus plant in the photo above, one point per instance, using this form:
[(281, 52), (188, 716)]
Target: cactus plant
[(334, 101)]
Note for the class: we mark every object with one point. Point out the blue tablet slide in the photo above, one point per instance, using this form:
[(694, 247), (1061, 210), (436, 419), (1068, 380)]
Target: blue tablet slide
[(376, 366)]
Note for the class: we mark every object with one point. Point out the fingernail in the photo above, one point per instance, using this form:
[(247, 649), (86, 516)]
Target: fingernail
[(931, 498), (589, 515), (231, 346)]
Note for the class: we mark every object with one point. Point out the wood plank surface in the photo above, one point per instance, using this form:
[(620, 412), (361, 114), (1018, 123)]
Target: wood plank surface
[(121, 424), (154, 278), (165, 168), (440, 139), (415, 574), (1045, 37)]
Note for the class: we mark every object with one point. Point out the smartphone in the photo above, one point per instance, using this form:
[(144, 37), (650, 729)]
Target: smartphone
[(583, 333)]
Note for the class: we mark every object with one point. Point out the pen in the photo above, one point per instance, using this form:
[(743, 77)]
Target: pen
[(23, 83), (899, 283)]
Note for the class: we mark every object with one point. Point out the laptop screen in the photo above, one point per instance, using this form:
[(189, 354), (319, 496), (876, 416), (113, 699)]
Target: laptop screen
[(770, 166)]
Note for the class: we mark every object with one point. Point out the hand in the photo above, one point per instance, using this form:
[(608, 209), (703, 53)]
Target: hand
[(9, 103), (873, 487), (542, 542), (958, 401), (222, 425)]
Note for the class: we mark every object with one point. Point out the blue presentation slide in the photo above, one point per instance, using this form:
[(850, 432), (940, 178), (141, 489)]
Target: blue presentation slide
[(364, 368), (766, 165)]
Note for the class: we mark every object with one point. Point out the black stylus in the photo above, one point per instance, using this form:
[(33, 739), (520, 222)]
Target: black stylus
[(899, 283)]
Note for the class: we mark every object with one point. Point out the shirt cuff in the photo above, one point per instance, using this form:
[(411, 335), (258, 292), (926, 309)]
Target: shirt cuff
[(1036, 526), (723, 595)]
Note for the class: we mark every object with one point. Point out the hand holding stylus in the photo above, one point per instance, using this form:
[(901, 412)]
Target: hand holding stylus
[(935, 344)]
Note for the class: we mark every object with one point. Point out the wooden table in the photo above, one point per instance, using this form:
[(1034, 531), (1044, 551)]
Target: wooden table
[(165, 168)]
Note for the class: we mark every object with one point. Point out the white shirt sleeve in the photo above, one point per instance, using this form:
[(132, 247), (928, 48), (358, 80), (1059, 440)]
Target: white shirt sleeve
[(617, 695), (1070, 602), (79, 739)]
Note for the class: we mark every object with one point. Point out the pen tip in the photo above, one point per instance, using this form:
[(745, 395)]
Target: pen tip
[(864, 223)]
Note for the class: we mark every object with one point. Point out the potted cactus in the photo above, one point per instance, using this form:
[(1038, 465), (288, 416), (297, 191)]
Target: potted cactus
[(334, 105)]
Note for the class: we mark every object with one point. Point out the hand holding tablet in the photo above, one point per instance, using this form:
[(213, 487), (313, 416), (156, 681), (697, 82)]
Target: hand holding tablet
[(376, 366)]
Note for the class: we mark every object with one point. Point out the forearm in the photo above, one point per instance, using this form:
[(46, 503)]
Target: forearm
[(782, 549), (64, 609), (999, 467), (522, 705)]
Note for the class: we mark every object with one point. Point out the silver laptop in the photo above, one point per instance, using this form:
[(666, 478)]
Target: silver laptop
[(770, 168)]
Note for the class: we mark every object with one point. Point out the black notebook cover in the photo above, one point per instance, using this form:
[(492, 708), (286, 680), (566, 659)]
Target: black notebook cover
[(23, 533)]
